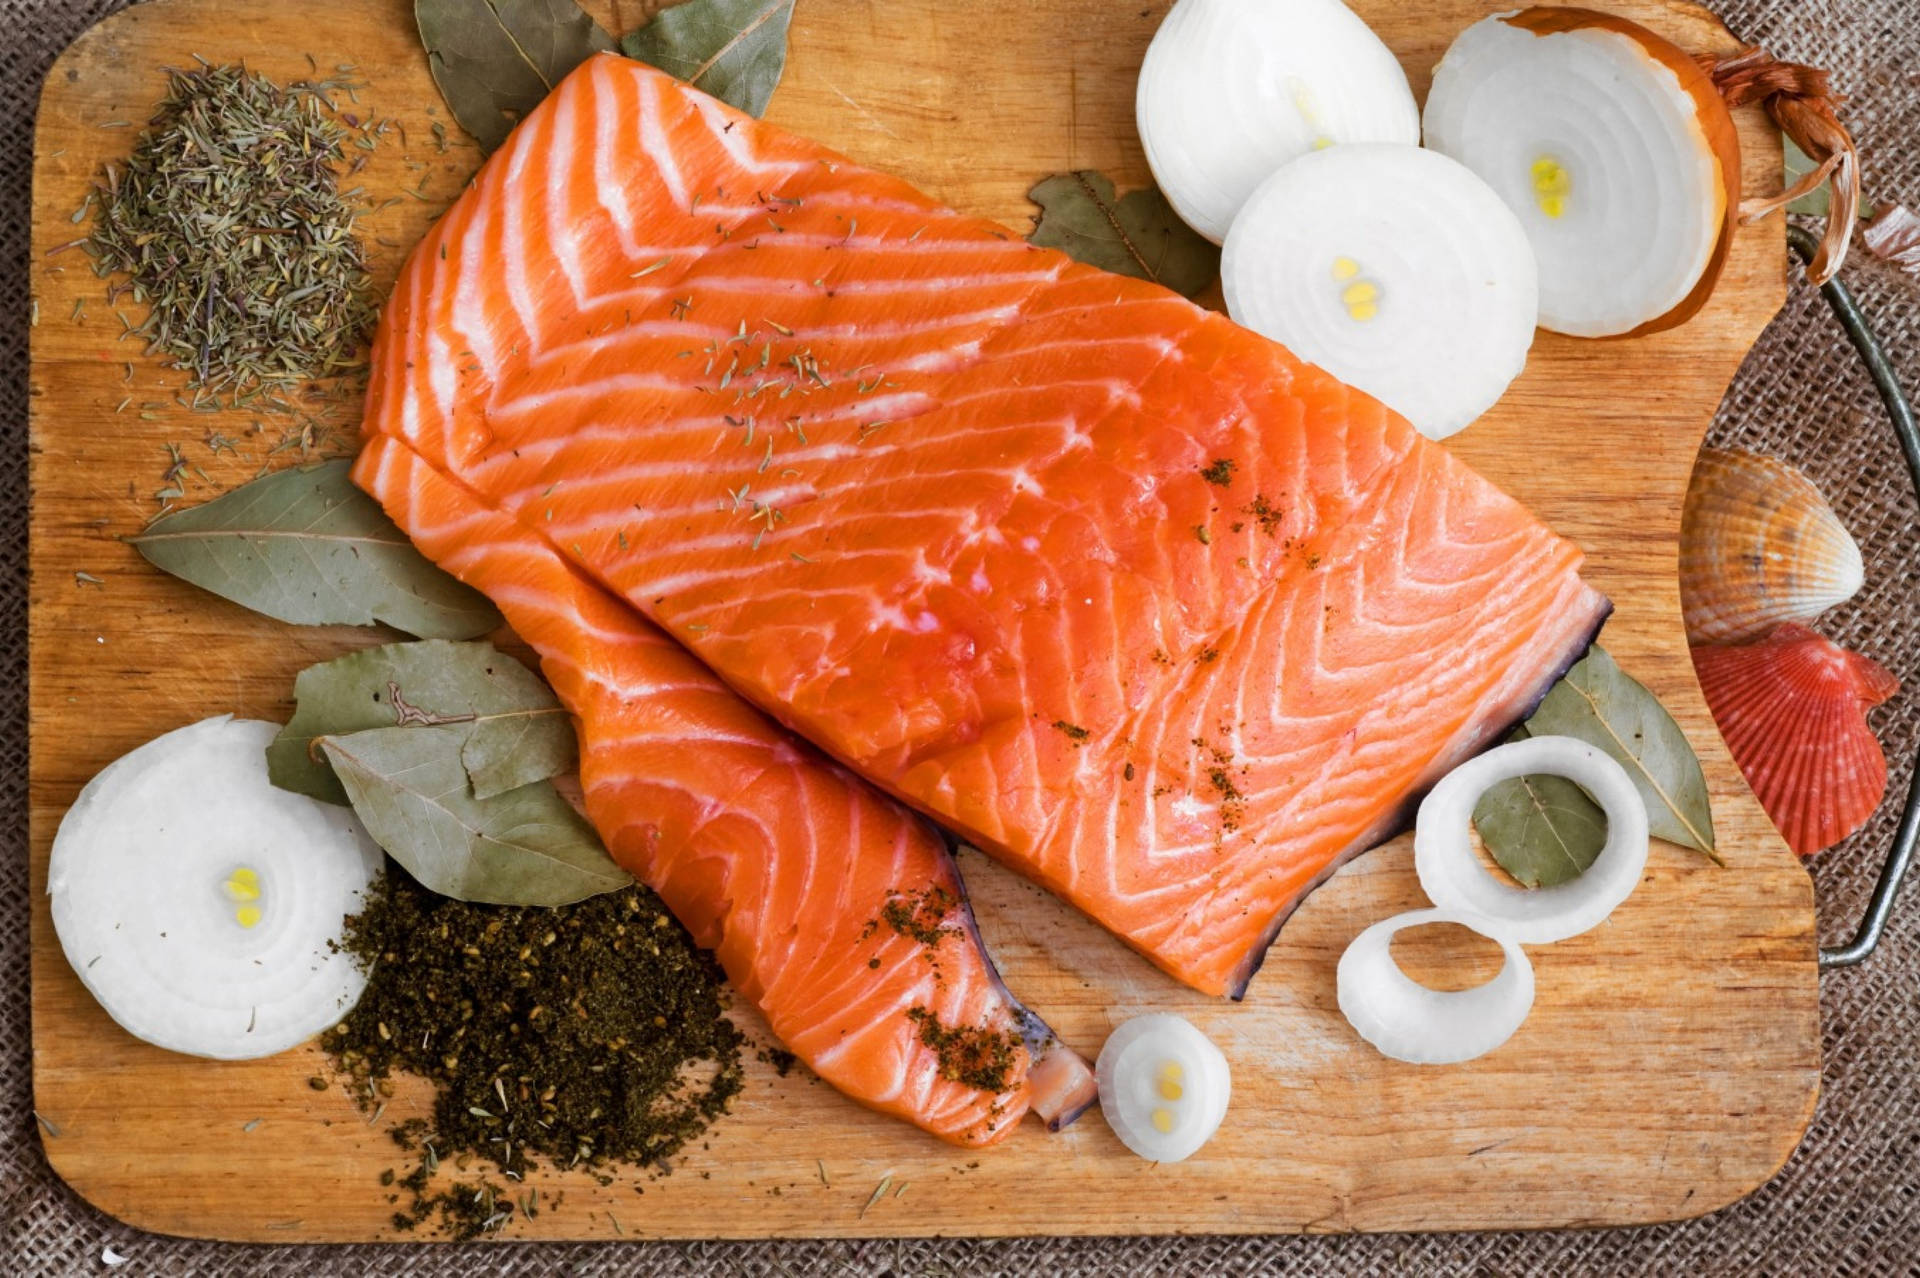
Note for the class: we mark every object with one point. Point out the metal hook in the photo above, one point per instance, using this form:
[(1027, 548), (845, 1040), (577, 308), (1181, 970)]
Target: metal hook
[(1900, 855)]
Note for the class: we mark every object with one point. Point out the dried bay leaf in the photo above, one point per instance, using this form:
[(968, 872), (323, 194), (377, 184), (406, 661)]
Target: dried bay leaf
[(516, 731), (307, 547), (1137, 234), (494, 60), (1543, 830), (733, 49), (1603, 705), (525, 847)]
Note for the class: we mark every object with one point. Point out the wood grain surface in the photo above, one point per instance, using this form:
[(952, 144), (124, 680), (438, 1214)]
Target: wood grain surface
[(1671, 1061)]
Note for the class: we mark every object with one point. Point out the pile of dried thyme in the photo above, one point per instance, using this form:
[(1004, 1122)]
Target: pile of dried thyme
[(229, 222), (586, 1035)]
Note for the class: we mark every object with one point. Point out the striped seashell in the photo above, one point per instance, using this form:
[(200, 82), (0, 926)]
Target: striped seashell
[(1758, 546), (1793, 709)]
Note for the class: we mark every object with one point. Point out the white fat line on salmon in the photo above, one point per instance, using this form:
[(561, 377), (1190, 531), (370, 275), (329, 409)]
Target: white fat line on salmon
[(795, 498), (523, 233), (940, 360), (799, 493), (651, 125), (562, 223), (611, 186), (573, 344), (826, 434)]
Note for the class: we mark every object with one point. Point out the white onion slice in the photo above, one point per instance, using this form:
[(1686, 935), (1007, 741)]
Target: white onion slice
[(1163, 1086), (196, 901), (1393, 268), (1232, 89), (1614, 149), (1454, 878), (1409, 1022)]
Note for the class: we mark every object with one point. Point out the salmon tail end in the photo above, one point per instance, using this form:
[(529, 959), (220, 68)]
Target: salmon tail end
[(1060, 1083)]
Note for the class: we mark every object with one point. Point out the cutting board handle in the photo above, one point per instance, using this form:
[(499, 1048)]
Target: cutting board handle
[(1854, 321)]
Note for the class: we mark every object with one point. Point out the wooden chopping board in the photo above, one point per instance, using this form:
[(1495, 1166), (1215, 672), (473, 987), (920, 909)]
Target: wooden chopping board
[(1670, 1064)]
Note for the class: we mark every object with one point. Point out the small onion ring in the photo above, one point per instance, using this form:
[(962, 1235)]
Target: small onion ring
[(1454, 879), (1409, 1022)]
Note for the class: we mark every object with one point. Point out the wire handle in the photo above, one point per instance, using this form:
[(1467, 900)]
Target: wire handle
[(1845, 309)]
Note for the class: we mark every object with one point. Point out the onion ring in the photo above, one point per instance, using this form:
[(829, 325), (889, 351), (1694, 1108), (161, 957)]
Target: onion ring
[(1164, 1086), (1454, 878), (1409, 1022)]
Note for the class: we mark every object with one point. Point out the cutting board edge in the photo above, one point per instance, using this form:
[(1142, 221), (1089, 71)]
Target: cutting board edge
[(135, 1216)]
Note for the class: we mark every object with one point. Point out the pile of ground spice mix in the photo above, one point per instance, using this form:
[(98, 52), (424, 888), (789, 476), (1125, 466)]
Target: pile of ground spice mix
[(583, 1036)]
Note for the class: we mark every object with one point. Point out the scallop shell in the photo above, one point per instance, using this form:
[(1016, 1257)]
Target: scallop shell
[(1793, 710), (1758, 546)]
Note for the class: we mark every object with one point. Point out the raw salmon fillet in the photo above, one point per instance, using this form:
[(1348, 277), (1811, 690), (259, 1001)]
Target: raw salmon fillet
[(838, 913), (1117, 590)]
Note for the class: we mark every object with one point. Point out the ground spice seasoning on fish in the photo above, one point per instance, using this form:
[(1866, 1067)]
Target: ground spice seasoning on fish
[(919, 915), (979, 1058), (229, 222), (586, 1035)]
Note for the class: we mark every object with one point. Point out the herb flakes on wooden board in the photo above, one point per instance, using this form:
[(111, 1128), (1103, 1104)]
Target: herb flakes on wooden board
[(734, 49), (515, 731), (525, 847), (494, 60), (1137, 234), (227, 219), (588, 1035), (307, 547)]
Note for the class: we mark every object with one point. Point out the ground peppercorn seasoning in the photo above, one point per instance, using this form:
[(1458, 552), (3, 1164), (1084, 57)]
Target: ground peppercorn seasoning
[(586, 1035)]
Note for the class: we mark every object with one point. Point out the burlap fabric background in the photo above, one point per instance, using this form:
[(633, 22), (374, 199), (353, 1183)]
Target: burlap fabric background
[(1846, 1203)]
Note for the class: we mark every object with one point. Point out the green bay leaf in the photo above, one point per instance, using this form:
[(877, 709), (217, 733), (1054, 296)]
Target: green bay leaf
[(1137, 234), (734, 49), (1543, 830), (516, 730), (525, 847), (1601, 704), (307, 547), (494, 60)]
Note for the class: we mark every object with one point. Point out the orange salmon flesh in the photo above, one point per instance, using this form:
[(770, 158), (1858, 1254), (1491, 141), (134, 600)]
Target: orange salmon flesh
[(1117, 591)]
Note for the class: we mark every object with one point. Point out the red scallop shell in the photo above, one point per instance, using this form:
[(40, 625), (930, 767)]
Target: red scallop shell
[(1793, 710)]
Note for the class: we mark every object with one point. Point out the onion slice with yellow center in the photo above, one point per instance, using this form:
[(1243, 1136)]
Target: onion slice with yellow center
[(1393, 268), (1232, 89), (1614, 149), (198, 903), (1163, 1086)]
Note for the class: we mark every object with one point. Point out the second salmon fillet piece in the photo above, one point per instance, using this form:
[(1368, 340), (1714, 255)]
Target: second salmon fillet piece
[(1123, 593)]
